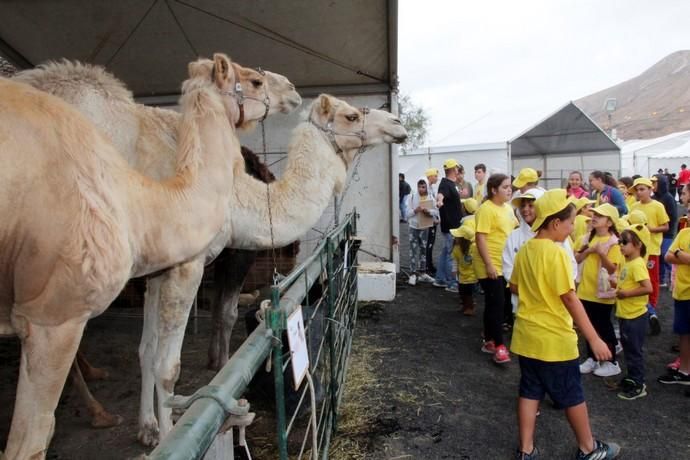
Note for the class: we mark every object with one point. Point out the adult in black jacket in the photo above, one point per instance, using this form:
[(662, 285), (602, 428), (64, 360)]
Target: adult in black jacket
[(662, 194)]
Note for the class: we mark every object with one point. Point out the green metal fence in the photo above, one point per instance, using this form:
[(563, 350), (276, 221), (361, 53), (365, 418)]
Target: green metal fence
[(326, 285)]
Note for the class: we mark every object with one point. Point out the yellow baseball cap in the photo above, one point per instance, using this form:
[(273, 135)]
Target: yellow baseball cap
[(642, 233), (464, 231), (641, 181), (470, 204), (526, 176), (582, 202), (431, 172), (607, 210), (450, 163), (551, 202), (635, 217), (531, 194)]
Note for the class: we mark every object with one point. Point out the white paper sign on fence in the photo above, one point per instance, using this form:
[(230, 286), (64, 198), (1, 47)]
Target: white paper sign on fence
[(298, 346)]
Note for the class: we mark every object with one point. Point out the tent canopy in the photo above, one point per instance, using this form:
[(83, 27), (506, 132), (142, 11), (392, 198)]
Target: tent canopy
[(338, 47), (568, 131)]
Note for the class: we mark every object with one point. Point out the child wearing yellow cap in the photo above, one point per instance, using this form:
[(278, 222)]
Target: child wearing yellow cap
[(632, 292), (464, 253), (600, 257), (543, 336), (657, 223)]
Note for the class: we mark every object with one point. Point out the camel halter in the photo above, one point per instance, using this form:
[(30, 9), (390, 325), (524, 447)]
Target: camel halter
[(240, 97), (331, 133)]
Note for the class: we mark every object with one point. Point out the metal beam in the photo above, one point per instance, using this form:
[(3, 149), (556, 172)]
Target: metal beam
[(15, 57)]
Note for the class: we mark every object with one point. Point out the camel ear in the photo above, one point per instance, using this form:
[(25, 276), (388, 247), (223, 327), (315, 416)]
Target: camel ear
[(222, 70), (325, 105)]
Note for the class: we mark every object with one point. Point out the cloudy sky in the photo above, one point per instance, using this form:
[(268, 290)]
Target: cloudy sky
[(486, 70)]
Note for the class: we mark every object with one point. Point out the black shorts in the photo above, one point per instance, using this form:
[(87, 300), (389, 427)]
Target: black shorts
[(560, 380)]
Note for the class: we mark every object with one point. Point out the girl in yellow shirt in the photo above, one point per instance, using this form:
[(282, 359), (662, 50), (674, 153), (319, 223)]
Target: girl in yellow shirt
[(494, 222), (464, 252), (600, 257)]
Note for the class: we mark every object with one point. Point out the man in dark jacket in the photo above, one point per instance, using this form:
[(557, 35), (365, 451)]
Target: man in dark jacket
[(404, 190), (662, 194)]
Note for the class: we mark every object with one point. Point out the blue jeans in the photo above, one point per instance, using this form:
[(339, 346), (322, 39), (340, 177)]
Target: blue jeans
[(403, 207), (664, 267), (444, 270)]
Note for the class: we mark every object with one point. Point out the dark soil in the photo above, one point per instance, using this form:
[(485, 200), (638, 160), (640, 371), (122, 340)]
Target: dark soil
[(433, 393), (447, 399)]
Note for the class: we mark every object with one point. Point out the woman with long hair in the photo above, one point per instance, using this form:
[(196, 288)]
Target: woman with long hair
[(605, 190)]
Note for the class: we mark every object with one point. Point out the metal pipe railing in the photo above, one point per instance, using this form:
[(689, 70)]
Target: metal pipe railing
[(194, 432)]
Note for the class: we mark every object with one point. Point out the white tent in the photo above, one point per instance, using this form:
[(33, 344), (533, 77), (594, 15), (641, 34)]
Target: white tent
[(646, 156)]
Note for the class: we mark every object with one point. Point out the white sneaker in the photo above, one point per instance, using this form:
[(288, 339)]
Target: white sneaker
[(426, 278), (607, 369), (412, 280), (589, 366)]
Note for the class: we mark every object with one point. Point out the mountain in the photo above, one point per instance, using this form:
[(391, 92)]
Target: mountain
[(653, 104)]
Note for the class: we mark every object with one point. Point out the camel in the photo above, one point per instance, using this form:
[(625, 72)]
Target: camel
[(79, 222), (328, 141)]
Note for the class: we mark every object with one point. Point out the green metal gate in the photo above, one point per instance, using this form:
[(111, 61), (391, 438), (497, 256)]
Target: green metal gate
[(328, 282)]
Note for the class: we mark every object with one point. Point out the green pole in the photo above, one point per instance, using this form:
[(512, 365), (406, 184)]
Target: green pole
[(278, 326), (331, 332)]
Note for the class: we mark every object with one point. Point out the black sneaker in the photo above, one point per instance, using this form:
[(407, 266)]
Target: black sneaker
[(520, 455), (633, 392), (602, 451), (654, 325), (625, 384), (674, 378)]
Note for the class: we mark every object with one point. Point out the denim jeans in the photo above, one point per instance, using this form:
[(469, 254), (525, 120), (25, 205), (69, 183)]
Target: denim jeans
[(444, 269), (664, 267), (403, 207)]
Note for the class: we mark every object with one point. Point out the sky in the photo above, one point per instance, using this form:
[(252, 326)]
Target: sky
[(487, 70)]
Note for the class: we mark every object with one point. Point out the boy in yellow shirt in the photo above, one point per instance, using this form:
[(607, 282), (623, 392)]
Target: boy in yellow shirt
[(633, 292), (657, 223), (464, 252), (543, 336)]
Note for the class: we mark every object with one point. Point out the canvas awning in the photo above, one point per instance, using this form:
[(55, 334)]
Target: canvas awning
[(342, 47), (567, 131)]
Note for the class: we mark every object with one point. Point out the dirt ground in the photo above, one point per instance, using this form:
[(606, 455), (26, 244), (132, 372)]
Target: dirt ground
[(418, 388)]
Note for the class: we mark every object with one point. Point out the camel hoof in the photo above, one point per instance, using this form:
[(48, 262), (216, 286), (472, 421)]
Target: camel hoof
[(149, 436), (95, 373), (106, 420)]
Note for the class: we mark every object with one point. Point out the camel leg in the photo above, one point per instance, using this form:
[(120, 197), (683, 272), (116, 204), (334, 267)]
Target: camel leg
[(148, 423), (176, 297), (47, 354), (100, 418), (88, 372), (230, 273)]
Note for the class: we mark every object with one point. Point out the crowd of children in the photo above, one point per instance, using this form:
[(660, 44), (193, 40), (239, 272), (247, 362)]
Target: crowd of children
[(549, 260)]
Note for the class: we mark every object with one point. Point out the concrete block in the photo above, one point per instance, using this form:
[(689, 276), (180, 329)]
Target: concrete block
[(376, 281)]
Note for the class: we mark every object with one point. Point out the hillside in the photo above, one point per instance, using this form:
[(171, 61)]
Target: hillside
[(655, 103)]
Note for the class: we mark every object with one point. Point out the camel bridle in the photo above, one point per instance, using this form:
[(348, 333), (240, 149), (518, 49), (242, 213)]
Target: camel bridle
[(240, 97), (331, 133)]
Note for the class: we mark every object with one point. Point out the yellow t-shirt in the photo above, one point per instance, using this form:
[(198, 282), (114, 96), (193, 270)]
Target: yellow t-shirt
[(479, 192), (496, 222), (580, 228), (465, 264), (543, 326), (656, 215), (681, 289), (631, 274), (589, 282), (630, 200)]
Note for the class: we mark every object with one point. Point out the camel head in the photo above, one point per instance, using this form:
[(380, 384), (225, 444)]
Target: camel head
[(350, 128), (263, 93), (204, 73)]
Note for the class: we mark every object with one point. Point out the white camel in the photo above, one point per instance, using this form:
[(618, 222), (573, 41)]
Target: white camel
[(316, 168), (78, 222)]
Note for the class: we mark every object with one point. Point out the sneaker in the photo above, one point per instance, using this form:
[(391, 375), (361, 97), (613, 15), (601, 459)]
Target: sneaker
[(438, 284), (633, 392), (589, 366), (602, 451), (607, 369), (425, 278), (619, 348), (412, 280), (501, 356), (489, 347), (520, 455), (654, 325), (453, 289), (674, 378), (625, 384), (675, 365)]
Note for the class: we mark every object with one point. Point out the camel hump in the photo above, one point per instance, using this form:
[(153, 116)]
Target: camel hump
[(66, 77)]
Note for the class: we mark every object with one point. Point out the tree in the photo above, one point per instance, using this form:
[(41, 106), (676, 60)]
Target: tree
[(416, 122)]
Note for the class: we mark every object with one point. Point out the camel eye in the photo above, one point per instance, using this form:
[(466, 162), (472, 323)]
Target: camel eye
[(352, 117), (257, 83)]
